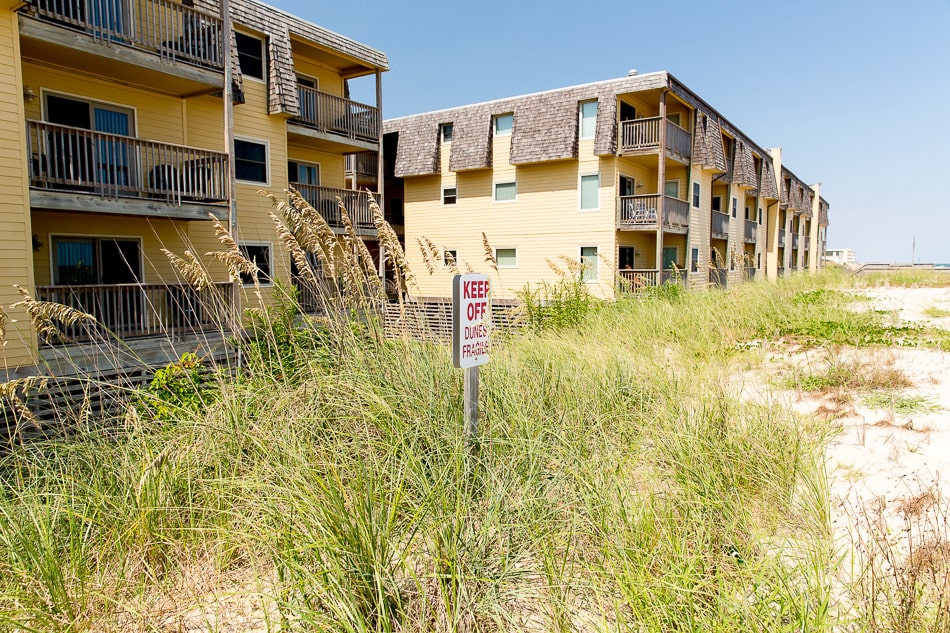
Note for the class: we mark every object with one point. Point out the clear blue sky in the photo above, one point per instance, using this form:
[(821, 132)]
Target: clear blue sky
[(856, 93)]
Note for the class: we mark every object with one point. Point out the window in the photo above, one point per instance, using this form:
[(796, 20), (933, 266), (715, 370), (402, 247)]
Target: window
[(449, 195), (303, 173), (590, 192), (694, 260), (259, 254), (748, 213), (250, 52), (588, 119), (674, 118), (717, 203), (96, 260), (503, 124), (695, 195), (506, 257), (588, 263), (760, 215), (450, 258), (446, 131), (735, 205), (671, 188), (250, 161), (505, 191), (758, 260)]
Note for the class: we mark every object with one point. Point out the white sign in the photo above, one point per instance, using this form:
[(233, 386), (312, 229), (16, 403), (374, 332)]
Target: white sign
[(471, 319)]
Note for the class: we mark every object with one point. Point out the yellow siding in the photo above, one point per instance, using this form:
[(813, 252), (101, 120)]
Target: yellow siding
[(331, 165), (15, 229), (328, 80), (544, 223), (700, 226)]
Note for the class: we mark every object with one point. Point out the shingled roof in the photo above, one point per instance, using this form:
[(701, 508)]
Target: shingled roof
[(768, 188), (279, 26), (707, 143), (743, 171), (544, 128)]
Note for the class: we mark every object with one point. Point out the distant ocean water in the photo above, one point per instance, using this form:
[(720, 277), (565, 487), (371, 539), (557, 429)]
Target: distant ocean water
[(941, 265)]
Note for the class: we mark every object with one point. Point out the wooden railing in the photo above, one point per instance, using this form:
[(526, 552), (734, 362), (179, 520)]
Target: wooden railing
[(640, 133), (164, 27), (642, 210), (781, 238), (140, 310), (634, 280), (718, 277), (326, 201), (645, 134), (678, 140), (363, 164), (720, 223), (794, 240), (749, 273), (750, 229), (336, 115), (113, 166)]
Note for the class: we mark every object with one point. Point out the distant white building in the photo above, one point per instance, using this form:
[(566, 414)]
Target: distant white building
[(840, 256)]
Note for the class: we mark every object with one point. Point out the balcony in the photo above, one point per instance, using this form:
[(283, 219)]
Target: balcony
[(781, 238), (156, 43), (794, 241), (633, 281), (750, 230), (348, 123), (126, 311), (643, 136), (363, 167), (718, 277), (749, 273), (326, 201), (719, 225), (75, 169), (640, 212)]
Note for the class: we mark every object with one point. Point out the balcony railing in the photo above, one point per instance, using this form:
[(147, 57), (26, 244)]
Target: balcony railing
[(750, 230), (335, 115), (166, 28), (363, 165), (794, 240), (634, 280), (640, 134), (749, 273), (718, 277), (642, 210), (73, 159), (781, 238), (720, 223), (140, 310), (326, 201)]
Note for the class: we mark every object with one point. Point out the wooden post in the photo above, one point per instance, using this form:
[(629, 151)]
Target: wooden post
[(470, 404), (227, 97), (380, 175), (661, 189)]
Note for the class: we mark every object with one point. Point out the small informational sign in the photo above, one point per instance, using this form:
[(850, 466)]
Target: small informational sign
[(471, 320)]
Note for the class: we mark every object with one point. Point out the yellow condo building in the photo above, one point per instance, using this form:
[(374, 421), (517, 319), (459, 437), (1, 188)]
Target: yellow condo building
[(638, 179), (118, 141)]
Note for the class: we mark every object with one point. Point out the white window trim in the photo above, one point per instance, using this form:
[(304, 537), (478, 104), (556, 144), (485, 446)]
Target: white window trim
[(263, 40), (511, 248), (494, 124), (580, 258), (445, 263), (442, 127), (494, 191), (270, 262), (266, 144), (580, 119), (693, 195), (454, 204), (678, 181), (580, 192)]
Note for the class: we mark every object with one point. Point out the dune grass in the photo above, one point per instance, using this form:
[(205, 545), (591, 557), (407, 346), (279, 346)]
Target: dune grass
[(619, 484)]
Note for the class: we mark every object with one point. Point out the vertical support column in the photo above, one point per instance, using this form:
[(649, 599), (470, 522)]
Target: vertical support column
[(228, 98), (380, 173), (661, 189), (814, 257), (470, 404)]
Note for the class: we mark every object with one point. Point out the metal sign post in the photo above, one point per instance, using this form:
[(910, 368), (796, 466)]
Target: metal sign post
[(471, 329)]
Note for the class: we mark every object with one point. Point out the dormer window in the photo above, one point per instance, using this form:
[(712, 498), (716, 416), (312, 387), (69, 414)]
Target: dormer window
[(503, 124)]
